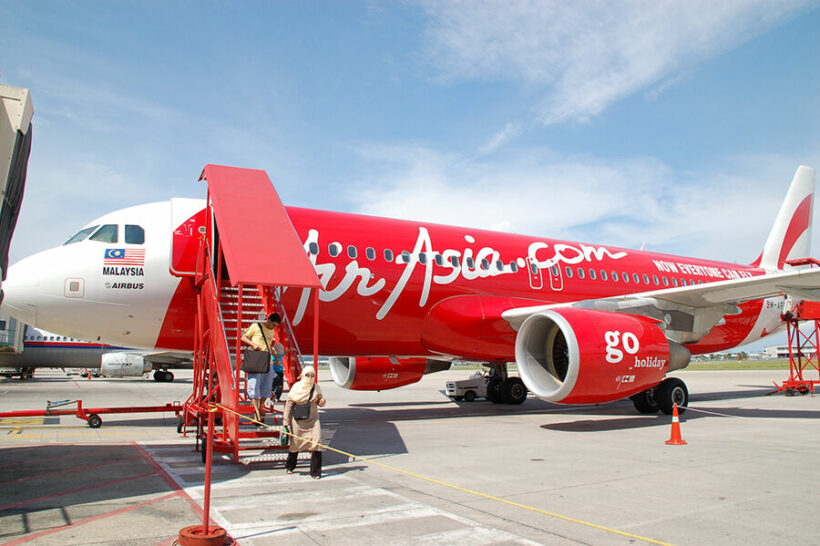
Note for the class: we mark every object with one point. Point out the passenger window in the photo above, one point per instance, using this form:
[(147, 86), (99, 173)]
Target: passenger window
[(615, 276), (555, 270), (626, 277), (80, 235), (370, 252), (470, 262), (581, 273), (592, 274), (423, 258), (134, 235), (334, 249), (439, 260), (405, 257), (388, 255), (351, 252), (636, 278), (674, 281), (454, 261), (534, 268), (665, 281), (568, 271), (655, 280), (514, 266), (313, 248), (645, 278), (485, 265), (106, 234), (499, 265), (603, 275)]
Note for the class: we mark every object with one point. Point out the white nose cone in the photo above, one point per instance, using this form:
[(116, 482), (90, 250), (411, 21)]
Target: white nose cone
[(21, 290)]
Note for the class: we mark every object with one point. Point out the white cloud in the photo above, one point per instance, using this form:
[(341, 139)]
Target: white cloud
[(577, 58), (721, 214), (509, 132)]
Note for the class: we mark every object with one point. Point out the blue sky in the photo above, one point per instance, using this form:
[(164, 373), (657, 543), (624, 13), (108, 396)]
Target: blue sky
[(677, 124)]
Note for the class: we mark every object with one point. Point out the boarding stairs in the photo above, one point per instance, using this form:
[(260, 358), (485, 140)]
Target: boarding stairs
[(234, 290)]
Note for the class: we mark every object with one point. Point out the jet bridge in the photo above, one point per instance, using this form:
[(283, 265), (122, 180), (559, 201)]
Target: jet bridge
[(16, 111), (249, 252)]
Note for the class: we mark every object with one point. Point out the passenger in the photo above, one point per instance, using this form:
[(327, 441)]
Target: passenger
[(261, 337), (278, 371), (307, 394)]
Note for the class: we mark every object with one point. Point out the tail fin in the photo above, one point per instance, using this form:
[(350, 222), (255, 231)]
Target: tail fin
[(790, 237)]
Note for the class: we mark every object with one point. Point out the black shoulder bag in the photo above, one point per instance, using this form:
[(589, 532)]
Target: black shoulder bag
[(256, 361), (302, 411)]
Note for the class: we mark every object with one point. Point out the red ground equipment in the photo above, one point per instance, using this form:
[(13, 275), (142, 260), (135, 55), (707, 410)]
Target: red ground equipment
[(238, 278), (804, 366)]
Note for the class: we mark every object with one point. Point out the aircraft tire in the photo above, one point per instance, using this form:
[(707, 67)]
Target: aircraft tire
[(672, 391), (646, 401), (203, 448), (169, 377), (158, 375), (179, 424), (469, 396), (494, 390), (515, 392), (94, 421)]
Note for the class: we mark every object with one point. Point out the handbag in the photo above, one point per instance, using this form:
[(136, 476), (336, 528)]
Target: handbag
[(256, 361), (302, 411)]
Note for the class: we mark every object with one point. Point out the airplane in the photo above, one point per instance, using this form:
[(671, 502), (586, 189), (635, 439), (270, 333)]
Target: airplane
[(585, 323), (43, 349)]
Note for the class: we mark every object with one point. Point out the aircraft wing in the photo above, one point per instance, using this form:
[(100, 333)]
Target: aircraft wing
[(170, 359), (690, 311)]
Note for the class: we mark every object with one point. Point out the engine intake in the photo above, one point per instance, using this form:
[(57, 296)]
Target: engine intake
[(584, 356)]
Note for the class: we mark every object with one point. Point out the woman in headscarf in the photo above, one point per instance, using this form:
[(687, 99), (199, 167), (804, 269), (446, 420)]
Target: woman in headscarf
[(305, 397)]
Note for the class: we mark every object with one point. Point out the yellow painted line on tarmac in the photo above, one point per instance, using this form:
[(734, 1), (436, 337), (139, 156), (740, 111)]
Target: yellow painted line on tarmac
[(451, 486), (16, 424)]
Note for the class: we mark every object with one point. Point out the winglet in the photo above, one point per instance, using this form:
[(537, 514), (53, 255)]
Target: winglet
[(790, 237)]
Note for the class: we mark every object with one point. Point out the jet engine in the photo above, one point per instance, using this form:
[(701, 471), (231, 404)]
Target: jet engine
[(583, 356), (124, 365), (380, 372)]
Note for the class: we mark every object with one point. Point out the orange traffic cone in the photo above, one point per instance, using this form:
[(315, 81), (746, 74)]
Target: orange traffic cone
[(675, 439)]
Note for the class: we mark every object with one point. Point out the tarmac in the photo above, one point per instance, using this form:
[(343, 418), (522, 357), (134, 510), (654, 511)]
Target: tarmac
[(436, 471)]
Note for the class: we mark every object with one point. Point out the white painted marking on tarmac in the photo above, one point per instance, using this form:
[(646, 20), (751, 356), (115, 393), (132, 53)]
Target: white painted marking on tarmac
[(339, 504)]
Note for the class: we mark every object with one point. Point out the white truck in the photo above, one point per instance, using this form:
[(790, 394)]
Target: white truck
[(469, 389)]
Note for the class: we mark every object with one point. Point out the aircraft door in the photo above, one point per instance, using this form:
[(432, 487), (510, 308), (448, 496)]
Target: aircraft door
[(188, 223), (534, 272), (556, 279)]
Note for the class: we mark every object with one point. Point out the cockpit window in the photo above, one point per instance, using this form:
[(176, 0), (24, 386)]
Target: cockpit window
[(80, 235), (134, 235), (106, 234)]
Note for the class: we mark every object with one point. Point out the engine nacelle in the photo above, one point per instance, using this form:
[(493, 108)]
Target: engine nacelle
[(584, 356), (124, 365), (380, 373)]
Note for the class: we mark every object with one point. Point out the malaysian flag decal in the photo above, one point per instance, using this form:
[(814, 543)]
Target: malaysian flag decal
[(124, 256)]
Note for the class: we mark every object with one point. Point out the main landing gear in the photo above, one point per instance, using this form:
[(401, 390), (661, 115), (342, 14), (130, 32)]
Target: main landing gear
[(163, 376), (663, 397), (502, 389)]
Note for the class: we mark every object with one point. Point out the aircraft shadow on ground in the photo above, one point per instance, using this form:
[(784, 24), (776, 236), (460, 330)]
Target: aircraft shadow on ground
[(693, 412)]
